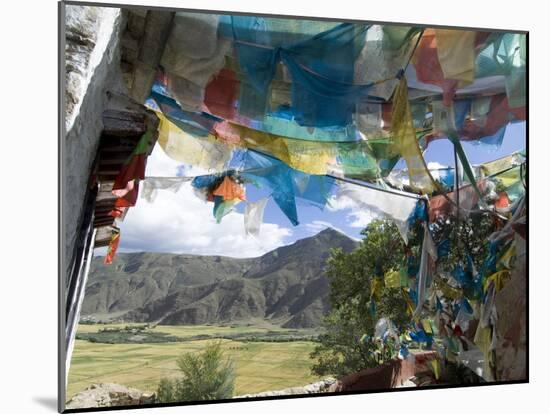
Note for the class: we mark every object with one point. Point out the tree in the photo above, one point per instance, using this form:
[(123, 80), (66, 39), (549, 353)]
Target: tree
[(466, 236), (347, 344), (205, 376)]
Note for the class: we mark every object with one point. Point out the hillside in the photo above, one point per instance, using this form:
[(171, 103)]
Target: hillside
[(286, 286)]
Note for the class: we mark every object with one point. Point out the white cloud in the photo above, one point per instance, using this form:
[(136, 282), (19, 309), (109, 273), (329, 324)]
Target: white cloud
[(356, 217), (160, 165), (361, 218), (434, 165), (182, 223), (400, 178)]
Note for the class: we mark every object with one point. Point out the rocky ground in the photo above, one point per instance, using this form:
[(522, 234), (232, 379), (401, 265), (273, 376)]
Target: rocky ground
[(113, 395), (109, 395)]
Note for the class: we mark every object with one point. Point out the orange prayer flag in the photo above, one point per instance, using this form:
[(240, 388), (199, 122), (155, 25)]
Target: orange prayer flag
[(230, 190)]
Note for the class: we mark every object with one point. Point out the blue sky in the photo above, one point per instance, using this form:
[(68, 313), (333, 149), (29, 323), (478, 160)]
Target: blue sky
[(514, 140), (181, 223)]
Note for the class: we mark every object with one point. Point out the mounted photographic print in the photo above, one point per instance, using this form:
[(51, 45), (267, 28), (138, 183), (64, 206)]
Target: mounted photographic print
[(258, 206)]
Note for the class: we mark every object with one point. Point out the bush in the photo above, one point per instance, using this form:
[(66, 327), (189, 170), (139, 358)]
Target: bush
[(165, 391), (205, 376)]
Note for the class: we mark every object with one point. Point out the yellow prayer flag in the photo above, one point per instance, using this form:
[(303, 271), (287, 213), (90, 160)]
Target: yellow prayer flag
[(427, 326), (456, 53), (405, 141), (207, 152), (446, 290), (307, 156), (434, 365), (482, 339), (311, 157), (393, 279), (507, 257), (510, 177), (410, 304), (501, 164), (262, 142), (499, 279)]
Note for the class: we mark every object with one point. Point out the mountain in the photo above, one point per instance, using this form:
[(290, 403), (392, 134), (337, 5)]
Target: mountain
[(286, 286)]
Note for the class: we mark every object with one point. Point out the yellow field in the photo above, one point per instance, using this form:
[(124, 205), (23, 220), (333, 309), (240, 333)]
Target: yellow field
[(260, 366)]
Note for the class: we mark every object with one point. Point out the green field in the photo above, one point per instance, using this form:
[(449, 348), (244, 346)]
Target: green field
[(260, 366)]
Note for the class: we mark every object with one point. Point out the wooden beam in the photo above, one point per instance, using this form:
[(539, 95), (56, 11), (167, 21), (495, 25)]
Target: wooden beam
[(104, 223)]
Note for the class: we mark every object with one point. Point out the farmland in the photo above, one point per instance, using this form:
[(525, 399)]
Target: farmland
[(260, 366)]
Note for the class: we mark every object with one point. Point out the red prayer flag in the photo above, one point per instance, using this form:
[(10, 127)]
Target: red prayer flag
[(118, 212), (221, 94), (129, 199)]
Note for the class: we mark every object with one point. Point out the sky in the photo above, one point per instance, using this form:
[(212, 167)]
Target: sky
[(182, 223)]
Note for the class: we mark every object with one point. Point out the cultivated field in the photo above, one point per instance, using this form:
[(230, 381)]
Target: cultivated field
[(260, 366)]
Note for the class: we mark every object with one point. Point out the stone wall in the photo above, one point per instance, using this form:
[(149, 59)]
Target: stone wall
[(106, 50), (92, 57), (143, 41)]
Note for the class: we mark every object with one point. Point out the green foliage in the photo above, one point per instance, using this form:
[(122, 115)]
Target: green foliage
[(130, 336), (120, 336), (392, 306), (341, 350), (166, 391), (204, 376), (127, 329), (467, 236)]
